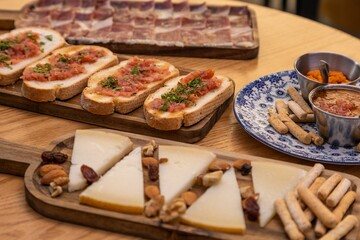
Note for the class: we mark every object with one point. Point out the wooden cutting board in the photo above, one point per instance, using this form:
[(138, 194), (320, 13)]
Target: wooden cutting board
[(67, 207), (131, 122)]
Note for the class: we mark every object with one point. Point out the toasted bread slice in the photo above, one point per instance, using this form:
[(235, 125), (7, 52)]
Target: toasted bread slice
[(41, 91), (49, 40), (95, 102), (203, 106)]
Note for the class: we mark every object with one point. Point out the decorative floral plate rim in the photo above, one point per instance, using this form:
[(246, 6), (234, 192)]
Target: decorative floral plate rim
[(250, 109)]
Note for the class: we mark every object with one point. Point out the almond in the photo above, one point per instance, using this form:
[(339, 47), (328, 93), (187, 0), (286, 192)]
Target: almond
[(189, 197), (238, 164), (49, 167), (151, 191), (219, 165), (147, 161), (52, 175)]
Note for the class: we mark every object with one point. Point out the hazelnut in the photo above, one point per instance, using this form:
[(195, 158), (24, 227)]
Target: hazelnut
[(147, 161), (152, 191)]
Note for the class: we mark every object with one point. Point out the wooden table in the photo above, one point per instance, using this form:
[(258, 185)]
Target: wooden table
[(283, 37)]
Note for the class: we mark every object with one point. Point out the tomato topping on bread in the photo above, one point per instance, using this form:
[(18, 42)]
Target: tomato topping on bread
[(186, 100), (124, 87)]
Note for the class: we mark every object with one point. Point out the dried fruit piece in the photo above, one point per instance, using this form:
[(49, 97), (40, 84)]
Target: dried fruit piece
[(251, 208), (147, 161), (89, 174), (153, 206), (152, 191), (219, 165), (50, 176), (53, 157), (59, 157), (212, 178), (189, 197), (44, 169), (47, 157), (153, 171)]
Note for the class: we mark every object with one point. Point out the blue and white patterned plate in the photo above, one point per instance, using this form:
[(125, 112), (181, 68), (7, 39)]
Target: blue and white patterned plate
[(250, 108)]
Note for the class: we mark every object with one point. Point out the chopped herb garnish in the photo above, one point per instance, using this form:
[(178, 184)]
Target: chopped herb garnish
[(4, 45), (49, 37), (164, 107), (135, 71), (4, 59), (42, 43), (31, 35), (42, 68), (26, 48), (111, 83), (172, 97), (63, 59), (197, 82)]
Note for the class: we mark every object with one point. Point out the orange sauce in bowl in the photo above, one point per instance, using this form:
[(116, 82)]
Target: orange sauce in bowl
[(335, 77)]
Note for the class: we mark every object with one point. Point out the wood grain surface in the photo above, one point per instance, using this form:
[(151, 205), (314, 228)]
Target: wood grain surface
[(283, 37), (67, 207)]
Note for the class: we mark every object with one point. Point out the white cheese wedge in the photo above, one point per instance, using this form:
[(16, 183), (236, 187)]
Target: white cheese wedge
[(272, 181), (179, 173), (121, 188), (219, 208), (98, 149)]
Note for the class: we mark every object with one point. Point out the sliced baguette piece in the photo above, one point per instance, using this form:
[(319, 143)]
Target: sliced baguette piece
[(100, 104), (11, 75), (64, 89), (190, 115)]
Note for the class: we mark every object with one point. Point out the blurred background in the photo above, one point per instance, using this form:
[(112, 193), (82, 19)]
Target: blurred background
[(340, 14)]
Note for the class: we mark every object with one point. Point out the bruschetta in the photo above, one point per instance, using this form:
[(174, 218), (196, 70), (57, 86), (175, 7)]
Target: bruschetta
[(186, 100), (22, 47), (64, 74), (125, 86)]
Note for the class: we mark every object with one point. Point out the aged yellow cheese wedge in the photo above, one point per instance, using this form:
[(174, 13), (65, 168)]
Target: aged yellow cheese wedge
[(219, 208), (272, 181), (99, 149), (121, 188), (179, 173)]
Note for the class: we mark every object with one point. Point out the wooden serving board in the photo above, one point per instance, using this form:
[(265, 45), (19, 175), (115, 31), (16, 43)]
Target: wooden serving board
[(131, 122), (67, 208)]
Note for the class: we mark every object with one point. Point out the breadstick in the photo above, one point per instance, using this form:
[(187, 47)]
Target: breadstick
[(297, 110), (319, 229), (317, 184), (309, 214), (328, 186), (281, 107), (312, 174), (358, 148), (299, 99), (297, 213), (338, 193), (276, 123), (344, 204), (318, 208), (308, 119), (316, 139), (298, 132), (290, 227), (342, 228)]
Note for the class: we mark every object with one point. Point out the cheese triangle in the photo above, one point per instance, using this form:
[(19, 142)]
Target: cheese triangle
[(219, 208), (99, 149), (272, 181), (121, 188), (179, 173)]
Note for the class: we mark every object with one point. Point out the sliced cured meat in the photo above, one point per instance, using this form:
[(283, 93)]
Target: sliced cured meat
[(216, 22), (143, 33), (103, 4), (141, 6), (88, 3), (219, 10), (144, 21), (238, 10), (49, 3), (119, 4), (193, 37), (163, 10), (168, 23), (242, 36), (168, 35), (187, 22), (239, 21), (72, 3), (102, 14), (218, 37), (64, 29), (181, 9), (121, 32), (198, 8)]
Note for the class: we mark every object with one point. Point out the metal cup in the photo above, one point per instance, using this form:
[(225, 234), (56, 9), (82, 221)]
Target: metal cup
[(335, 129), (337, 62)]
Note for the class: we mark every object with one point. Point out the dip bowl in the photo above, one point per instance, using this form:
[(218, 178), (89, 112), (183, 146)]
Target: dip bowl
[(337, 62), (336, 129)]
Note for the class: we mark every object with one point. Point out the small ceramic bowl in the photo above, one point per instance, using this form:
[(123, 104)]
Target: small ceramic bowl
[(337, 62), (336, 129)]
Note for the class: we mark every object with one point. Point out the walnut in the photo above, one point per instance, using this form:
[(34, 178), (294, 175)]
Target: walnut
[(149, 149), (153, 206), (55, 190), (246, 191), (173, 210)]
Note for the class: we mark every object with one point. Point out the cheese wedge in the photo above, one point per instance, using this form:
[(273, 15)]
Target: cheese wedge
[(99, 149), (272, 181), (179, 173), (219, 208), (121, 188)]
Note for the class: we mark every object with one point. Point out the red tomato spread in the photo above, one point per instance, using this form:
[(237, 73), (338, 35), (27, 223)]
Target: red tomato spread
[(339, 101), (189, 89), (133, 77), (63, 66), (16, 48)]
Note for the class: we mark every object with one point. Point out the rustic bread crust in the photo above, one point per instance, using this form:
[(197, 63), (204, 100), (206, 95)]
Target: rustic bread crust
[(58, 90), (9, 77), (189, 116), (105, 105)]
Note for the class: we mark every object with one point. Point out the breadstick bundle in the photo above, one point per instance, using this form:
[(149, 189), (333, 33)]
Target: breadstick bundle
[(283, 121), (317, 207)]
